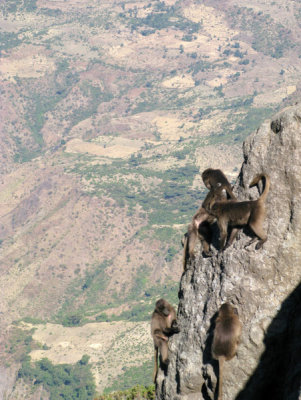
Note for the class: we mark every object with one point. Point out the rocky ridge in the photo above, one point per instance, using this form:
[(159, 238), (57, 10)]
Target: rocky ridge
[(263, 284)]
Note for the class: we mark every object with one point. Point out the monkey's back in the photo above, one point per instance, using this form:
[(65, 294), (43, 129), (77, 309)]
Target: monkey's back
[(236, 213), (161, 323), (225, 340), (156, 322)]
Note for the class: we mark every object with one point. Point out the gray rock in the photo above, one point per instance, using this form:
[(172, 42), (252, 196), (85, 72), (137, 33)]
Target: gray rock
[(263, 284)]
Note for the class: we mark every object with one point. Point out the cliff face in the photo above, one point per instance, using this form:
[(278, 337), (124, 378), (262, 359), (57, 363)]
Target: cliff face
[(263, 284)]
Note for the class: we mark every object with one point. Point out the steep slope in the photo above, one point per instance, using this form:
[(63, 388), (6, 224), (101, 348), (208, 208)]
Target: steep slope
[(108, 113), (263, 284)]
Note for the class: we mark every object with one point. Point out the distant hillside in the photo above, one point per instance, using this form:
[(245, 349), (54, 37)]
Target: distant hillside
[(109, 113)]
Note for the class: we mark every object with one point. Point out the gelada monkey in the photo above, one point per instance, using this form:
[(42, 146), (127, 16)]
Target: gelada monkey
[(200, 229), (226, 338), (200, 226), (236, 214), (163, 325), (216, 179)]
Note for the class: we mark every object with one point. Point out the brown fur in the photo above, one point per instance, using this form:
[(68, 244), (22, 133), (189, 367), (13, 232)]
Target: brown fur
[(240, 213), (216, 179), (200, 226), (198, 229), (163, 324), (226, 338)]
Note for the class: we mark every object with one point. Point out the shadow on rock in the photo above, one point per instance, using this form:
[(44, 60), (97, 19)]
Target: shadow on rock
[(207, 359), (278, 374)]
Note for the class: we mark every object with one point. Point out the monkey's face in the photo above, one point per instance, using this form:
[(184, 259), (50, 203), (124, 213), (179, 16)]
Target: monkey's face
[(162, 308), (165, 311)]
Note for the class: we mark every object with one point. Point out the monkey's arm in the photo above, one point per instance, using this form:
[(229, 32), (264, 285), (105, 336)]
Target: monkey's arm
[(230, 193), (159, 335)]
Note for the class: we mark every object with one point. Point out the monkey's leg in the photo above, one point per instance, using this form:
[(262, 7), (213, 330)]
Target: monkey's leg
[(223, 226), (233, 235), (161, 336), (223, 239), (206, 248), (164, 352), (191, 243), (155, 372), (259, 231), (230, 194), (205, 235)]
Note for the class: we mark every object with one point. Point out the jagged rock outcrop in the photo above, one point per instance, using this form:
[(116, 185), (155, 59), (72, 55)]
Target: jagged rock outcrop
[(264, 285)]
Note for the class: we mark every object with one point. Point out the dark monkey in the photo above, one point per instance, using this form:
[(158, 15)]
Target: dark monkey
[(236, 214), (200, 226), (226, 338), (163, 324), (198, 229), (214, 179)]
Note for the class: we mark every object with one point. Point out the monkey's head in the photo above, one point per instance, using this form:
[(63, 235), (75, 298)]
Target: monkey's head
[(206, 177), (162, 307), (227, 309), (218, 194)]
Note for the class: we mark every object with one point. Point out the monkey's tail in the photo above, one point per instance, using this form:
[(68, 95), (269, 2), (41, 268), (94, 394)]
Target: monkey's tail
[(267, 184), (221, 361), (155, 372)]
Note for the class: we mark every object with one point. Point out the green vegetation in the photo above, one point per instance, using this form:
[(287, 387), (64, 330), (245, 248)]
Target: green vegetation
[(94, 96), (75, 88), (90, 289), (162, 17), (138, 392), (9, 40), (269, 37), (20, 343), (24, 154), (246, 121), (141, 375), (12, 6), (173, 195), (61, 381)]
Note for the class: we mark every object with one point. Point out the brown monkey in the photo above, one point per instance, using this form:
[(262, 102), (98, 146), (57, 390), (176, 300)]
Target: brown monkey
[(163, 324), (200, 226), (214, 179), (240, 213), (226, 338)]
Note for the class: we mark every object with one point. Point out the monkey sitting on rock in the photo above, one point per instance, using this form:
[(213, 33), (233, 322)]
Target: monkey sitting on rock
[(163, 325), (226, 338)]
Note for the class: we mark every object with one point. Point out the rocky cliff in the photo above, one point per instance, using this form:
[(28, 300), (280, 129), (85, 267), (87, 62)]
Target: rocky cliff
[(263, 284)]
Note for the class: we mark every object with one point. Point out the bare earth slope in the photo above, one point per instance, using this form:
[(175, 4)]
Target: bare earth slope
[(108, 113)]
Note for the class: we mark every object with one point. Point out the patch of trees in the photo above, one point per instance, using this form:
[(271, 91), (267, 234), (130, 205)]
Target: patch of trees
[(62, 381)]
